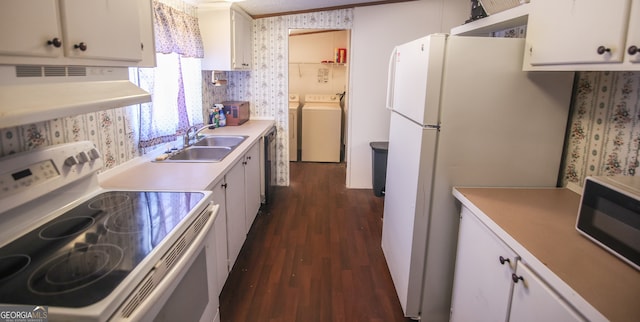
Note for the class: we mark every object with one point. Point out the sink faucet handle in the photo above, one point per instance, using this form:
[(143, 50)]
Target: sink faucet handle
[(187, 138)]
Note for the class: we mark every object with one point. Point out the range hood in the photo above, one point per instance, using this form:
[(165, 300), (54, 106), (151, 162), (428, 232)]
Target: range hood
[(30, 94)]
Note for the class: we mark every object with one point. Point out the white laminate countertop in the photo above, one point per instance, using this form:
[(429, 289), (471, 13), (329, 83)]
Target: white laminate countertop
[(144, 174), (539, 225)]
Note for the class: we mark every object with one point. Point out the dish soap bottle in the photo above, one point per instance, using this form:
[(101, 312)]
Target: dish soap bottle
[(222, 119), (214, 117)]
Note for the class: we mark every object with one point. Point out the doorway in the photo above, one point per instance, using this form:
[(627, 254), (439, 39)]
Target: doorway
[(318, 65)]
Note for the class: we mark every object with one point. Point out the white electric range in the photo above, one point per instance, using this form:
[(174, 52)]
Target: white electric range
[(91, 254)]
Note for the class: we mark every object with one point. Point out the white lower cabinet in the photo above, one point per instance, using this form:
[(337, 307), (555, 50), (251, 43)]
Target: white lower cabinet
[(220, 233), (236, 221), (252, 184), (491, 283), (533, 300), (482, 278), (238, 194)]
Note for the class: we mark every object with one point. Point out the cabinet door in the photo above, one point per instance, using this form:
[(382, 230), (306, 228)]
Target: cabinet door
[(220, 231), (236, 40), (252, 184), (482, 278), (101, 29), (27, 26), (570, 31), (633, 35), (147, 36), (247, 42), (534, 301), (215, 29), (236, 221), (241, 41)]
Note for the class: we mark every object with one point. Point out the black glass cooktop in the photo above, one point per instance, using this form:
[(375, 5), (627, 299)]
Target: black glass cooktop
[(81, 256)]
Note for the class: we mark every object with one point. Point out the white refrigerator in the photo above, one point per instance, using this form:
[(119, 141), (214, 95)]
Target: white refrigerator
[(463, 113)]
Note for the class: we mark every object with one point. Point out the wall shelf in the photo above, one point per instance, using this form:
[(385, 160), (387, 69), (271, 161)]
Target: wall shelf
[(510, 18)]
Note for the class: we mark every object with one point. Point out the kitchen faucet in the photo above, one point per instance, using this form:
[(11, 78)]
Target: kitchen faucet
[(187, 139)]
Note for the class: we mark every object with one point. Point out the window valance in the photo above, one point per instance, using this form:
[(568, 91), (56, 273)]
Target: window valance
[(176, 31)]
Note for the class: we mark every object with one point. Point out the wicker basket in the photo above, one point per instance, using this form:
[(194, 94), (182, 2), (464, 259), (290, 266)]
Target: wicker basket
[(493, 6)]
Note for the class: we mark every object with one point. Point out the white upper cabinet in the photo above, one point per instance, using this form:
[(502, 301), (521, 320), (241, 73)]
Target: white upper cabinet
[(226, 36), (76, 32), (242, 44), (25, 31), (632, 54), (582, 35), (119, 41)]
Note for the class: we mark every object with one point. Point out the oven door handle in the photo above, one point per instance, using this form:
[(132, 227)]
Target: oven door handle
[(160, 294)]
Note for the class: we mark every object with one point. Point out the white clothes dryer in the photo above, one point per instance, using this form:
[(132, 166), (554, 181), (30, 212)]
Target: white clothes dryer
[(321, 124)]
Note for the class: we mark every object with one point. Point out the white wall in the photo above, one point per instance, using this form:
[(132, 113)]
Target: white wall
[(307, 75), (376, 30)]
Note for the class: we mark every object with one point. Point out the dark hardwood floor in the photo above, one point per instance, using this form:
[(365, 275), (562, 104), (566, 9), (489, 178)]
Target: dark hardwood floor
[(313, 256)]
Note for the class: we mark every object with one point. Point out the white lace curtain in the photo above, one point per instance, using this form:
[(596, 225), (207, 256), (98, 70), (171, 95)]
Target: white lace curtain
[(176, 83)]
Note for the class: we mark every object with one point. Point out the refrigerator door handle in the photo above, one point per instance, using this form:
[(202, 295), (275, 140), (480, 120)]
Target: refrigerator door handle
[(391, 79)]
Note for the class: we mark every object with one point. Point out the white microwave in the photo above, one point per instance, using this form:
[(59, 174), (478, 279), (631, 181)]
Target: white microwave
[(609, 215)]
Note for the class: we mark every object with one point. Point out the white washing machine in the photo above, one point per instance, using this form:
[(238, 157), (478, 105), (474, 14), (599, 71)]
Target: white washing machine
[(321, 123), (294, 104)]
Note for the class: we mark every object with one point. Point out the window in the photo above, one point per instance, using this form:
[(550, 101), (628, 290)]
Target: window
[(175, 84)]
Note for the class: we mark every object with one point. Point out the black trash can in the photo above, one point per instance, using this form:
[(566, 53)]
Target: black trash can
[(379, 152)]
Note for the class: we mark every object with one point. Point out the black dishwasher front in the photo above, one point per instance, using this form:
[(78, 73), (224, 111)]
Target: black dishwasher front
[(270, 164)]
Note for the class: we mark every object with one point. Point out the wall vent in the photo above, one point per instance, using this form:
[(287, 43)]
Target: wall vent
[(59, 71), (50, 71), (28, 71), (76, 71)]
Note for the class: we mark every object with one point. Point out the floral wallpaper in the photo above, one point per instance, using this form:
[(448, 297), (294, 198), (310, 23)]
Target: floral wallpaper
[(267, 84), (109, 130), (212, 94), (604, 132)]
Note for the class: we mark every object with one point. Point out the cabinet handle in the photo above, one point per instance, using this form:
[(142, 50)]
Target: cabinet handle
[(82, 46), (55, 42), (248, 158), (603, 49), (224, 185), (504, 260), (516, 278), (632, 50)]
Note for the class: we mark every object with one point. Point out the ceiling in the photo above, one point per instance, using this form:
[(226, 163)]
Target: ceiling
[(265, 8)]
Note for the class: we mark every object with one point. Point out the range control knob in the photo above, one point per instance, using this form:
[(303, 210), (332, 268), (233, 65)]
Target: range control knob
[(94, 154), (70, 161), (82, 157)]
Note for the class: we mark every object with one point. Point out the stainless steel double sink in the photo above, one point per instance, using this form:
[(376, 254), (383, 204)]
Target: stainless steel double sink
[(211, 148)]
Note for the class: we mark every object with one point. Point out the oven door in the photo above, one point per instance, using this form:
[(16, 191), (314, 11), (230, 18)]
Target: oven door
[(187, 292)]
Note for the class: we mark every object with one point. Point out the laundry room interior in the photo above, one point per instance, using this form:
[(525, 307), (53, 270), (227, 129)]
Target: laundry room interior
[(318, 91)]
